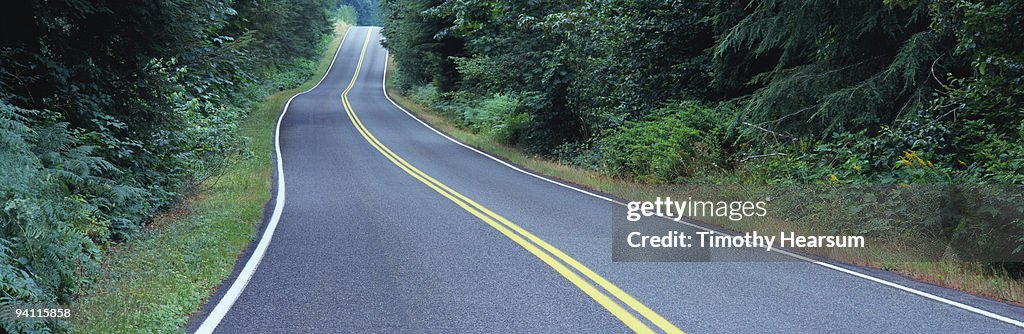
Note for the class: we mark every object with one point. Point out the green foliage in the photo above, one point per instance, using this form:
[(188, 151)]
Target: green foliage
[(366, 11), (498, 116), (925, 97), (818, 65), (895, 92), (52, 206), (421, 56), (985, 105), (110, 112), (682, 139), (17, 285), (518, 48), (635, 55), (347, 13), (819, 86)]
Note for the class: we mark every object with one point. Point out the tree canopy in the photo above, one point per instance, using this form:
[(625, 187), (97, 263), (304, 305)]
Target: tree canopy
[(838, 83), (111, 111)]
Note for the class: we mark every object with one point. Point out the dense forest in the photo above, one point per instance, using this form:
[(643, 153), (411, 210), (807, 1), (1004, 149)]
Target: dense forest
[(898, 120), (367, 11), (824, 92), (113, 111)]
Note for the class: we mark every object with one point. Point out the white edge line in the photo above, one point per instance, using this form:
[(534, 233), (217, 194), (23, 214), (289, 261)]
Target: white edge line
[(229, 298), (783, 252)]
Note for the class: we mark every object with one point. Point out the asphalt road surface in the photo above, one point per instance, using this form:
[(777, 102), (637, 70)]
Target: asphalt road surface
[(387, 226)]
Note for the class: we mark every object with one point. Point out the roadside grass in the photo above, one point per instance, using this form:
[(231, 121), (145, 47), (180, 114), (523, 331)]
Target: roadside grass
[(153, 283), (892, 255)]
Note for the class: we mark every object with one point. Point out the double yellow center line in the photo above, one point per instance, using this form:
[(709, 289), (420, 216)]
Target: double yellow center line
[(520, 236)]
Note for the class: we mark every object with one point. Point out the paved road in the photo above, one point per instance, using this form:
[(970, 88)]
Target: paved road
[(386, 228)]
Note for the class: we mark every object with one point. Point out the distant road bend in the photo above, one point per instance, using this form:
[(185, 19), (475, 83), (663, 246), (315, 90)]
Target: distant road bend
[(381, 224)]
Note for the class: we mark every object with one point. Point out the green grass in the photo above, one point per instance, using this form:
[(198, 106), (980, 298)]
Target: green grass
[(153, 283), (894, 256)]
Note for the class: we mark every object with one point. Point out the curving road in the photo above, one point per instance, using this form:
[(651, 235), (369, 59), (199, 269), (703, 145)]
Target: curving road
[(380, 224)]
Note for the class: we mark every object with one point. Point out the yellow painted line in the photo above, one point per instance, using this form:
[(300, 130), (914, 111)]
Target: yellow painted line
[(489, 217), (631, 321)]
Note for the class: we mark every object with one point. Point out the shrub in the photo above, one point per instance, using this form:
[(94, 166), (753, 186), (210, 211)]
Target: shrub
[(681, 139), (426, 94), (497, 116)]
